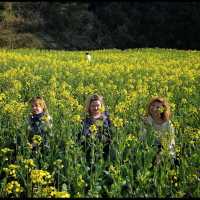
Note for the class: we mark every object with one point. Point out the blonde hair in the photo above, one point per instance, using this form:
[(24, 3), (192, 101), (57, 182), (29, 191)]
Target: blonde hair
[(166, 114), (90, 99), (39, 100)]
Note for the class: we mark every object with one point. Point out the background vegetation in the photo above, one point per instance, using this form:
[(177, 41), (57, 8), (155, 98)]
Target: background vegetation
[(127, 80), (77, 25)]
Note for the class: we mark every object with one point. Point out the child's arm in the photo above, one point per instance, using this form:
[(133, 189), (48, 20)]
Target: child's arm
[(85, 130)]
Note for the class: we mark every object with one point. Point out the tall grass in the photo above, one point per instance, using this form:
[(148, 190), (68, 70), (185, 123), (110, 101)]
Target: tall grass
[(127, 80)]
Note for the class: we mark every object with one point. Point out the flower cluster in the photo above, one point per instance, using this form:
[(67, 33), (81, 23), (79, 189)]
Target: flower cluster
[(93, 129), (118, 122), (40, 177), (29, 163), (13, 187), (126, 80), (37, 139), (12, 170)]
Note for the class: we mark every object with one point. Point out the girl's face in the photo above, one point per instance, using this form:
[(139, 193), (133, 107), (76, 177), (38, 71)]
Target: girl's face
[(95, 108), (37, 108), (155, 109)]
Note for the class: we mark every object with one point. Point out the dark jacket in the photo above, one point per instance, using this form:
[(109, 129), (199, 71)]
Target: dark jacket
[(102, 135), (39, 124)]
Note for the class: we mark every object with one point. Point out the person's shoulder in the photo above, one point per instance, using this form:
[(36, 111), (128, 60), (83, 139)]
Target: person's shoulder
[(106, 114), (86, 120)]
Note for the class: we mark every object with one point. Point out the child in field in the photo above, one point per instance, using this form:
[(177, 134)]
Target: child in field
[(88, 57), (158, 120), (96, 131), (39, 121), (96, 125)]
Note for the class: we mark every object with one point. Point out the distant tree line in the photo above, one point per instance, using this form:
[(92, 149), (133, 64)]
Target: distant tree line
[(77, 25)]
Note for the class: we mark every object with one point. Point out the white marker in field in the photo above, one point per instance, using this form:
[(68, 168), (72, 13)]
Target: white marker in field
[(88, 57)]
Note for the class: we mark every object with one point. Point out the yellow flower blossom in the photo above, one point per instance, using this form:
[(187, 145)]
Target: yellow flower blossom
[(37, 139), (2, 97), (131, 138), (58, 164), (93, 129), (29, 163), (60, 194), (48, 191), (5, 151), (102, 109), (76, 118), (118, 122), (126, 79), (40, 177), (13, 187), (11, 170), (30, 146)]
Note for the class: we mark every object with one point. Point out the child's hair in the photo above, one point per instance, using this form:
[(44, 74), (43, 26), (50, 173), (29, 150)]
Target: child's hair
[(166, 114), (40, 101), (94, 97)]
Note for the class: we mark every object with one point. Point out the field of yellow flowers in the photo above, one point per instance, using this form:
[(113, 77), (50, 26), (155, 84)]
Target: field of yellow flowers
[(127, 80)]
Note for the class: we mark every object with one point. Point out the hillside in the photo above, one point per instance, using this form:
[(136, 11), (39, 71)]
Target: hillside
[(100, 25), (11, 39)]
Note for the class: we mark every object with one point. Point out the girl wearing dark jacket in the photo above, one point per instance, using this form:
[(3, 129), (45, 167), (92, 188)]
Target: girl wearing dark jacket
[(96, 126)]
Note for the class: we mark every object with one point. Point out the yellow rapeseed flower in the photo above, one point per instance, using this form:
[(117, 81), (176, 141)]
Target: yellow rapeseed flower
[(117, 122), (102, 109), (5, 151), (76, 118), (37, 139), (30, 146), (13, 188), (121, 107), (58, 164), (29, 163), (2, 97), (48, 191), (11, 170), (60, 195), (40, 177), (93, 129)]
